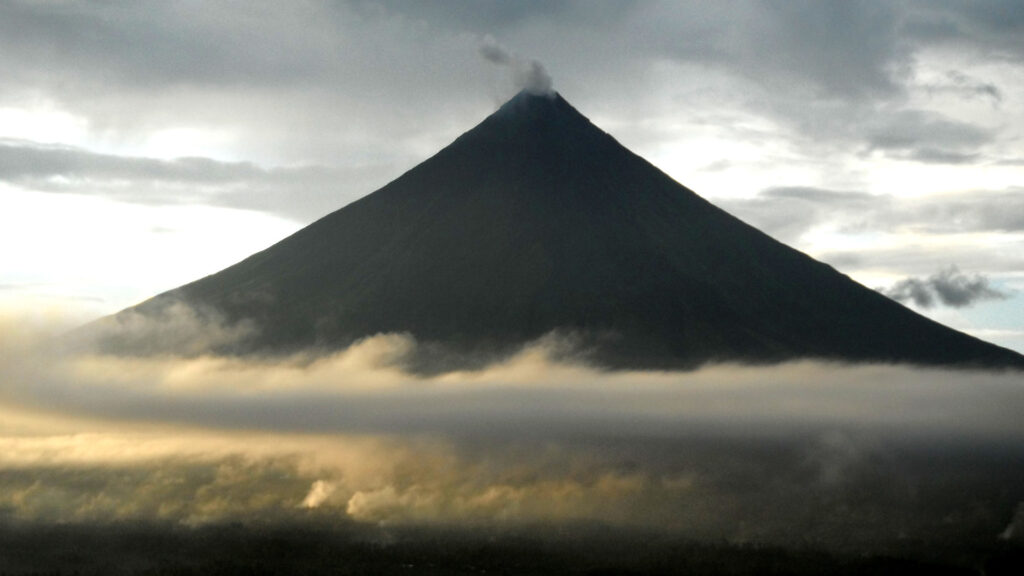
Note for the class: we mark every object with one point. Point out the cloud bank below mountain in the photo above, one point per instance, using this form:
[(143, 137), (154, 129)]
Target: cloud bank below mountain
[(827, 453)]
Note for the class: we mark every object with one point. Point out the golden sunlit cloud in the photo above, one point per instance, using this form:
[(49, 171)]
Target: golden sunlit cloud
[(351, 436)]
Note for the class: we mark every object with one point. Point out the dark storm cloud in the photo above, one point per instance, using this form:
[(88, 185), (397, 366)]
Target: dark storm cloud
[(949, 287)]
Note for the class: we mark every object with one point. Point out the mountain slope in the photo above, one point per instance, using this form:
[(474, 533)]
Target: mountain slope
[(536, 221)]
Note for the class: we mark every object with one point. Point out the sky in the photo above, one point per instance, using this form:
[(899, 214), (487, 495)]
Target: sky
[(147, 144)]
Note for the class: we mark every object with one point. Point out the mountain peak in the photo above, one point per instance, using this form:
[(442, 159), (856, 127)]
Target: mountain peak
[(531, 107), (542, 128), (537, 221), (526, 98)]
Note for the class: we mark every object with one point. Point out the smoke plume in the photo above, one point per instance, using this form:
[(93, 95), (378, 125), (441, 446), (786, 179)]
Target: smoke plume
[(528, 75)]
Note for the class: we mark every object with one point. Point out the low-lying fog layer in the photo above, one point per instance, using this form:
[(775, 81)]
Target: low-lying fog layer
[(807, 451)]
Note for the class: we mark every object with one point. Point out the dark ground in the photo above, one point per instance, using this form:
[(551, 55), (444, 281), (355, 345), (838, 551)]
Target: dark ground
[(124, 549)]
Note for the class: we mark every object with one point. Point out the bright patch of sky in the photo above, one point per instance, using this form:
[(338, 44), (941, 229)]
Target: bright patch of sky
[(89, 253)]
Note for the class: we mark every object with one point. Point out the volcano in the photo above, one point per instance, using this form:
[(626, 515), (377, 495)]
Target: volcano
[(537, 222)]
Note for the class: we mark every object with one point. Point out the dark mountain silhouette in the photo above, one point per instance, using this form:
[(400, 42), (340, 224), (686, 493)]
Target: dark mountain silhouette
[(537, 221)]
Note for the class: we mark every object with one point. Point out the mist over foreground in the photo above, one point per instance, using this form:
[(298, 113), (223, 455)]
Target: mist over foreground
[(351, 448)]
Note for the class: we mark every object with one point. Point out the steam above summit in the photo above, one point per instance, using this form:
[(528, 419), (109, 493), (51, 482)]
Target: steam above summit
[(528, 75), (536, 221)]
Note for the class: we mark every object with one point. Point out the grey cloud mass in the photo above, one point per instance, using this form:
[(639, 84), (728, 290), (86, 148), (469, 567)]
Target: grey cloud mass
[(330, 84), (949, 287), (163, 59), (927, 137)]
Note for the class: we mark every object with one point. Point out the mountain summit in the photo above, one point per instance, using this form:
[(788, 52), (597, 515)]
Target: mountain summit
[(536, 221)]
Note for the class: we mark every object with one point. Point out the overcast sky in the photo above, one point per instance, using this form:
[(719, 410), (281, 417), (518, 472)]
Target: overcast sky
[(145, 144)]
